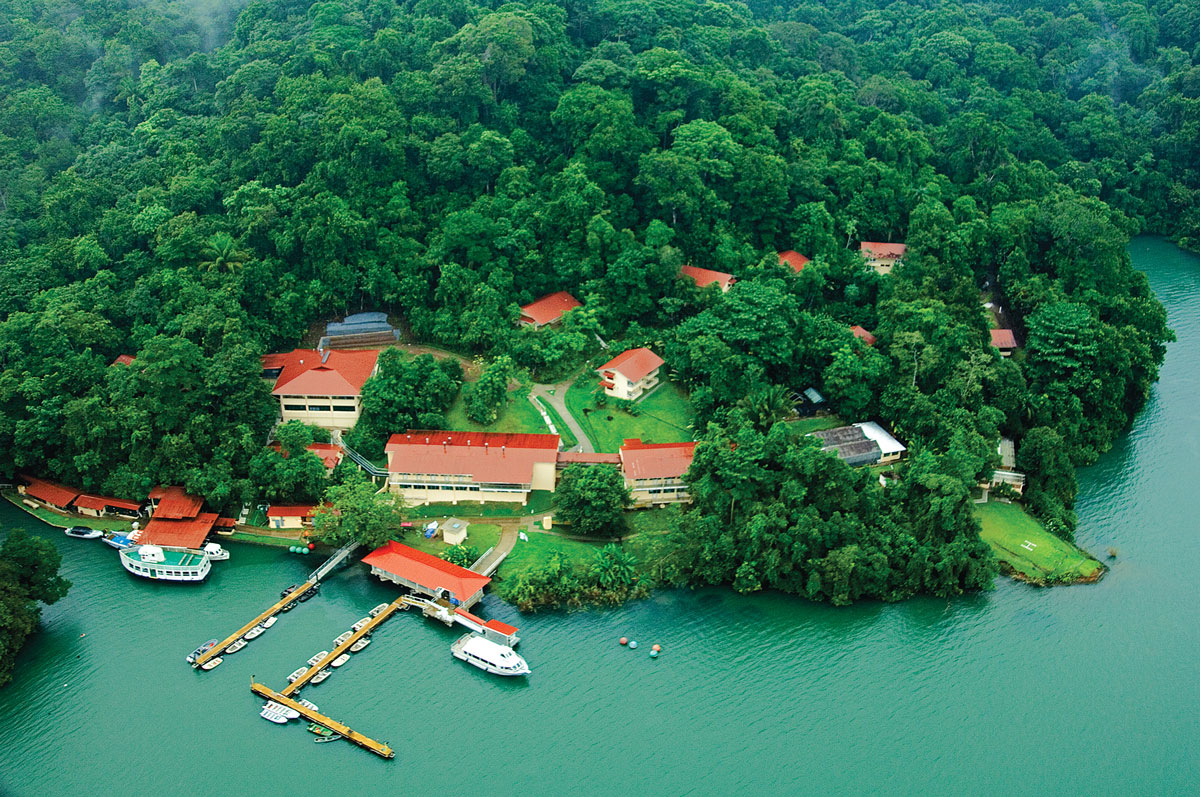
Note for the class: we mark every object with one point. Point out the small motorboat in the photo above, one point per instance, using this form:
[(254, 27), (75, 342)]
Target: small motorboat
[(296, 675), (358, 626), (332, 738), (378, 610), (342, 659), (360, 644), (119, 541), (319, 730), (308, 704), (211, 664), (268, 713), (236, 646), (215, 552), (270, 621), (311, 592), (341, 640), (255, 632), (288, 607), (200, 651), (83, 533), (321, 676), (288, 590), (313, 661)]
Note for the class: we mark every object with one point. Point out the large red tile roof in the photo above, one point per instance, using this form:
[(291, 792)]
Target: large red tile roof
[(549, 309), (633, 364), (794, 259), (427, 570), (98, 502), (123, 359), (863, 335), (50, 492), (178, 533), (484, 456), (885, 251), (655, 460), (571, 457), (1003, 339), (704, 276), (306, 372), (174, 503)]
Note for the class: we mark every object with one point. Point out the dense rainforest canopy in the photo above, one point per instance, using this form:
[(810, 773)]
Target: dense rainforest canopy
[(194, 184)]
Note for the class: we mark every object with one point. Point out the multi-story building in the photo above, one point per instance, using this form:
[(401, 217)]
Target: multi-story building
[(428, 466), (629, 375), (654, 471), (323, 388)]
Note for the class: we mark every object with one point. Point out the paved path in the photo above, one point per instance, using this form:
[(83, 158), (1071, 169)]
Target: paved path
[(508, 541), (556, 400)]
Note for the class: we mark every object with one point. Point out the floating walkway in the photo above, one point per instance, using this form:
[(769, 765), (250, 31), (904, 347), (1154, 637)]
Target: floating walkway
[(397, 605), (345, 731), (238, 634)]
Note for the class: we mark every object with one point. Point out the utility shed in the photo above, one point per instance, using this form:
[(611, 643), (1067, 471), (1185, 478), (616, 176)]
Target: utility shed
[(454, 531)]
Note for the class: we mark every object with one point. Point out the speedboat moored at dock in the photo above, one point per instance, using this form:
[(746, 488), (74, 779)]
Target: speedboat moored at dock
[(488, 655), (83, 533), (200, 651)]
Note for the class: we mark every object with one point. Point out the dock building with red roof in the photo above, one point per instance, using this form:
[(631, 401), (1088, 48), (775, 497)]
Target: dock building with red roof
[(654, 471), (548, 310), (630, 374), (882, 257), (51, 494), (435, 466), (176, 519), (323, 388), (427, 574)]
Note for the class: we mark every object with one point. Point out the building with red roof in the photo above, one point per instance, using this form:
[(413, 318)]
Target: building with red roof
[(173, 503), (1004, 340), (52, 494), (290, 517), (426, 574), (122, 359), (704, 277), (794, 260), (185, 533), (323, 388), (654, 471), (330, 454), (548, 309), (435, 466), (863, 335), (102, 505), (882, 257), (630, 374)]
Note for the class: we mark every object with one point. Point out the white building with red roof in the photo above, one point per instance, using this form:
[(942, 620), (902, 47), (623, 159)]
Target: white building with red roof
[(654, 471), (323, 388), (548, 309), (52, 494), (434, 466), (427, 574), (882, 257), (290, 516), (704, 277), (793, 260), (630, 374)]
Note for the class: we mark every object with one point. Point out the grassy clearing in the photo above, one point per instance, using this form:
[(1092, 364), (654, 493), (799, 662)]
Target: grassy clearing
[(479, 535), (262, 539), (665, 416), (568, 437), (1010, 532), (518, 416), (540, 547), (809, 425)]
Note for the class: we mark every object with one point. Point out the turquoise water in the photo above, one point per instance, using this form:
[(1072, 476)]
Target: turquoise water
[(1089, 688)]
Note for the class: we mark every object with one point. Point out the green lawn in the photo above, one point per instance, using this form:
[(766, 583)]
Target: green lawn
[(263, 539), (541, 547), (665, 416), (479, 535), (1011, 532), (809, 425), (540, 502), (518, 416), (564, 431)]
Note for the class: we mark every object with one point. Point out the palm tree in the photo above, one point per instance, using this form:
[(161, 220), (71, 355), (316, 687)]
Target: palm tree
[(764, 408), (221, 254), (615, 567)]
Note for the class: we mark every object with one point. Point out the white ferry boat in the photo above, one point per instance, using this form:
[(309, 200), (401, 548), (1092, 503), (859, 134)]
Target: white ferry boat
[(488, 655), (164, 563)]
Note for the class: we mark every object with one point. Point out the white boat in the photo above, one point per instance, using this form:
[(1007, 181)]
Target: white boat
[(198, 652), (270, 621), (321, 676), (342, 659), (119, 541), (360, 644), (215, 552), (313, 661), (341, 640), (378, 610), (278, 717), (254, 632), (308, 705), (164, 563), (83, 533), (296, 675), (358, 626), (211, 663), (236, 646), (488, 655)]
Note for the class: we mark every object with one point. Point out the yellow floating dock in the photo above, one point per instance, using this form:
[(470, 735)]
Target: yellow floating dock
[(236, 635), (396, 605), (378, 748)]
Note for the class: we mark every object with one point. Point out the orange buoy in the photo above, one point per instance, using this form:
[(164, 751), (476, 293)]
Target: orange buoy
[(656, 648), (624, 640)]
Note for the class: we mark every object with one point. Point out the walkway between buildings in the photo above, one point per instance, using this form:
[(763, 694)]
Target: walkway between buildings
[(490, 562), (556, 399)]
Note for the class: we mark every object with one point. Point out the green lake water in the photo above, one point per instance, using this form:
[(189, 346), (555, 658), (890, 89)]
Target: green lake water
[(1087, 688)]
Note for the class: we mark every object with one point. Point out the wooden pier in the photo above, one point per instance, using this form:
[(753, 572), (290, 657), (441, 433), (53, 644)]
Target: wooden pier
[(295, 686), (236, 635), (378, 748)]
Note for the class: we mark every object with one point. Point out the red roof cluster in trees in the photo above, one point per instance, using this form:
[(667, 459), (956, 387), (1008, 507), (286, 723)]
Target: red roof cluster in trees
[(863, 335), (342, 373), (655, 460), (426, 570), (329, 453), (794, 259), (549, 309), (633, 364), (882, 251), (123, 359), (1003, 339), (705, 277)]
